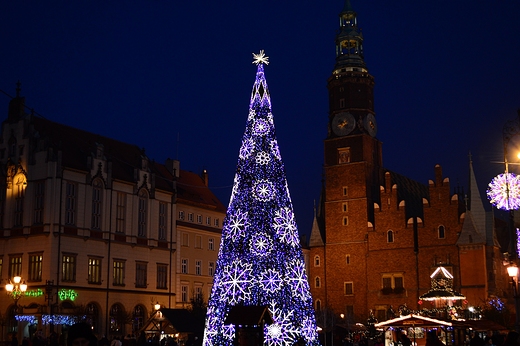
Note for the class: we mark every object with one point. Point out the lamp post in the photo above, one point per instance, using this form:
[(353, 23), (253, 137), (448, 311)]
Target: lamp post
[(159, 318), (512, 271), (16, 289)]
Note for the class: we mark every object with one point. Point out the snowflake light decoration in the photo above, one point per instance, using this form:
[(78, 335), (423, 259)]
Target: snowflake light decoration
[(285, 226), (263, 190), (237, 281), (261, 127), (246, 149), (270, 280), (261, 244), (262, 158), (237, 225), (504, 191)]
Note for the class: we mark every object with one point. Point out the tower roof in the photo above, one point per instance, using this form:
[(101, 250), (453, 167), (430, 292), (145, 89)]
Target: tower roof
[(349, 42)]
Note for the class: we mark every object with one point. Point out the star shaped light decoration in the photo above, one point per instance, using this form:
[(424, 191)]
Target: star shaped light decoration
[(260, 58)]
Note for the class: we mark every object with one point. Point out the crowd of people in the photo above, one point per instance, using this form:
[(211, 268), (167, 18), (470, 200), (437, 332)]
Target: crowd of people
[(81, 334)]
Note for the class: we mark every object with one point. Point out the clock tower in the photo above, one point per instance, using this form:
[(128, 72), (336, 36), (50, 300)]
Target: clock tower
[(353, 156), (352, 168)]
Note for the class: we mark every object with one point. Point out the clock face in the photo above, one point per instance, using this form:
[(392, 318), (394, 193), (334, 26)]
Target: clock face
[(370, 124), (343, 124)]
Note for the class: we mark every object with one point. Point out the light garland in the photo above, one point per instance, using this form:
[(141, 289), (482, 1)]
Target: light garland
[(504, 191), (260, 260), (68, 320), (27, 318)]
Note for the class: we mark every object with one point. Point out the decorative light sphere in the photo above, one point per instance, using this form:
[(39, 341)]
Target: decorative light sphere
[(504, 191)]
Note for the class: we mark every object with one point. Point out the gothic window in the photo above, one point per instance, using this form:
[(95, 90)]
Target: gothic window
[(143, 213), (162, 221), (317, 282), (39, 199), (390, 236), (138, 318), (70, 203), (97, 203), (120, 212), (117, 319), (92, 316), (318, 305), (316, 261), (441, 232)]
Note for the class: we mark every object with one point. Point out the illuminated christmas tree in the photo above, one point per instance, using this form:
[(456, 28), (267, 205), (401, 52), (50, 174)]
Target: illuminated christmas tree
[(260, 261)]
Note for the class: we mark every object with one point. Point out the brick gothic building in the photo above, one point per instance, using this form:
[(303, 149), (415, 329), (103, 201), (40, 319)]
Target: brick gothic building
[(378, 236), (97, 229)]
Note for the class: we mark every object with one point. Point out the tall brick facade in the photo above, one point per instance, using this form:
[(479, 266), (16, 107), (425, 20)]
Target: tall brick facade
[(378, 235)]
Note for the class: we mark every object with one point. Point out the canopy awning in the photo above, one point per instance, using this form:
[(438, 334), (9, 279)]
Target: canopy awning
[(170, 321), (413, 321)]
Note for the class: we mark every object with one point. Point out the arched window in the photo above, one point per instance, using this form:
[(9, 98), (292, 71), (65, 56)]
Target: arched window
[(317, 282), (316, 261), (138, 318), (117, 319), (318, 305), (97, 203), (92, 316), (390, 236), (441, 232), (143, 213)]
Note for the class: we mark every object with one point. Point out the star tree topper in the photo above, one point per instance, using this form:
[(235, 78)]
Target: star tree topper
[(260, 58)]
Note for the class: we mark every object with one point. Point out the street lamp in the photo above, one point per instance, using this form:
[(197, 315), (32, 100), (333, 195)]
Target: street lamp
[(15, 289), (512, 271)]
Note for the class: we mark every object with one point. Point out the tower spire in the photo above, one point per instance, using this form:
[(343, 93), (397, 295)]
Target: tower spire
[(349, 42)]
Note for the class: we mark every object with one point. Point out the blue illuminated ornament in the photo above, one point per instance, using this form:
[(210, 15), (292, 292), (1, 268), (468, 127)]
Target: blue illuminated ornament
[(504, 191), (260, 261)]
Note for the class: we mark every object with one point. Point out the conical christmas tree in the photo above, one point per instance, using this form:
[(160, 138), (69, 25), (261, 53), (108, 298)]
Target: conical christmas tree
[(260, 261)]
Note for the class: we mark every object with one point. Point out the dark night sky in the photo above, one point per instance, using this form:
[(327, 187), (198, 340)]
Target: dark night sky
[(175, 77)]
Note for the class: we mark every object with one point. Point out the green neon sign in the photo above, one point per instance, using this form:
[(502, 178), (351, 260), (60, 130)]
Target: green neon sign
[(67, 294), (34, 293)]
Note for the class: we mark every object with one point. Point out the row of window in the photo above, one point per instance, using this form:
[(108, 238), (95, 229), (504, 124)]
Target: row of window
[(185, 241), (190, 218), (94, 273), (391, 283), (198, 267), (197, 292)]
